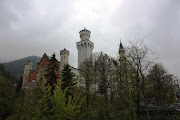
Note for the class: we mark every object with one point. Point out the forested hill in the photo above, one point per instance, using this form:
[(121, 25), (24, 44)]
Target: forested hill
[(16, 68)]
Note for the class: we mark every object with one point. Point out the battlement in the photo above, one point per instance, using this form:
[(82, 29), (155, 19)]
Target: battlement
[(64, 52), (84, 34), (28, 63)]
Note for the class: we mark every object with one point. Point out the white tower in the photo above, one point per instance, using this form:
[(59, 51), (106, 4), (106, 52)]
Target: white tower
[(85, 46), (64, 58), (27, 68)]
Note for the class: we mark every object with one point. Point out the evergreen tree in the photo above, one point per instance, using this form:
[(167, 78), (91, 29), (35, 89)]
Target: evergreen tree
[(52, 75), (44, 107), (67, 79), (7, 95), (55, 107), (19, 84)]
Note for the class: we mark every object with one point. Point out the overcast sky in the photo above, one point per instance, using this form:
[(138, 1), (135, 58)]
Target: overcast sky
[(34, 27)]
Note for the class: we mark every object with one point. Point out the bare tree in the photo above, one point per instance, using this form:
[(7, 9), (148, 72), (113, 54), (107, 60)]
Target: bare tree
[(141, 57), (125, 75)]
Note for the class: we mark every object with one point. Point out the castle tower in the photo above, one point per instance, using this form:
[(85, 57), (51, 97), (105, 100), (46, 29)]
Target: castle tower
[(121, 48), (64, 58), (85, 46), (121, 51), (27, 68)]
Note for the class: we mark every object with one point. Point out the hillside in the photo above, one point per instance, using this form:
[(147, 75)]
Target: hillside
[(16, 68)]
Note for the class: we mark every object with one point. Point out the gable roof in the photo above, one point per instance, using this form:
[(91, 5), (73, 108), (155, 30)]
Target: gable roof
[(44, 56)]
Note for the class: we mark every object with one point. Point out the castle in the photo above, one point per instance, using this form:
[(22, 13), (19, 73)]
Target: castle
[(84, 47)]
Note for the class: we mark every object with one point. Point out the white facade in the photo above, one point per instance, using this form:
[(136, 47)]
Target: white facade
[(64, 58), (85, 46)]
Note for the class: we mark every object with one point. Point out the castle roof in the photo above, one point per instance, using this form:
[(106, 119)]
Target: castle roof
[(121, 46), (44, 56), (84, 30)]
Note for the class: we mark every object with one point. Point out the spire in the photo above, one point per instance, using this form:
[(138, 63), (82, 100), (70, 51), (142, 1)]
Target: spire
[(121, 48)]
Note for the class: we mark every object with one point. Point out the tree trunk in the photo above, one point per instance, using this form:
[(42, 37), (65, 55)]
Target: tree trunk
[(138, 95), (145, 99)]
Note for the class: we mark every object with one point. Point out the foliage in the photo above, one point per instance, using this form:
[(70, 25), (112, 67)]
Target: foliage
[(19, 84), (52, 74), (161, 85), (67, 80), (39, 104), (87, 75), (55, 107), (7, 95), (25, 103)]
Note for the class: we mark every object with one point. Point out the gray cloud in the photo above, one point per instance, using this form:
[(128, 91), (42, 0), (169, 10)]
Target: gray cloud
[(43, 26)]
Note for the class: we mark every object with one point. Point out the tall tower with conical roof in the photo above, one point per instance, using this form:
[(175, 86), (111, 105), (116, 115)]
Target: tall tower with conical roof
[(85, 46)]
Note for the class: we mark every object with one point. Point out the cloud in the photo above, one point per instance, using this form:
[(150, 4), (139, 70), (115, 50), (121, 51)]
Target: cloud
[(43, 26)]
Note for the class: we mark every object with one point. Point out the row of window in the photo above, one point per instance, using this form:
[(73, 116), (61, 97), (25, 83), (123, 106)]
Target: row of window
[(84, 45), (85, 34), (84, 31)]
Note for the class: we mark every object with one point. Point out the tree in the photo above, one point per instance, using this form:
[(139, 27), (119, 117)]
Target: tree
[(141, 57), (7, 95), (19, 84), (103, 70), (124, 74), (55, 107), (67, 80), (66, 111), (52, 74), (25, 103), (162, 87), (87, 74), (44, 108)]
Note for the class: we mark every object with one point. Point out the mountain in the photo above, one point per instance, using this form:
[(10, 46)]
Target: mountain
[(16, 68)]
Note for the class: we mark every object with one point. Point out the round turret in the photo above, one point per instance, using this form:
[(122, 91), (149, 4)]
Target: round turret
[(84, 34), (27, 67), (62, 52), (64, 58)]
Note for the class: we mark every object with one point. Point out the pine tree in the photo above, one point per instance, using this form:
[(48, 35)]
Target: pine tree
[(44, 108), (19, 84), (67, 79), (56, 107), (66, 110), (52, 72)]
